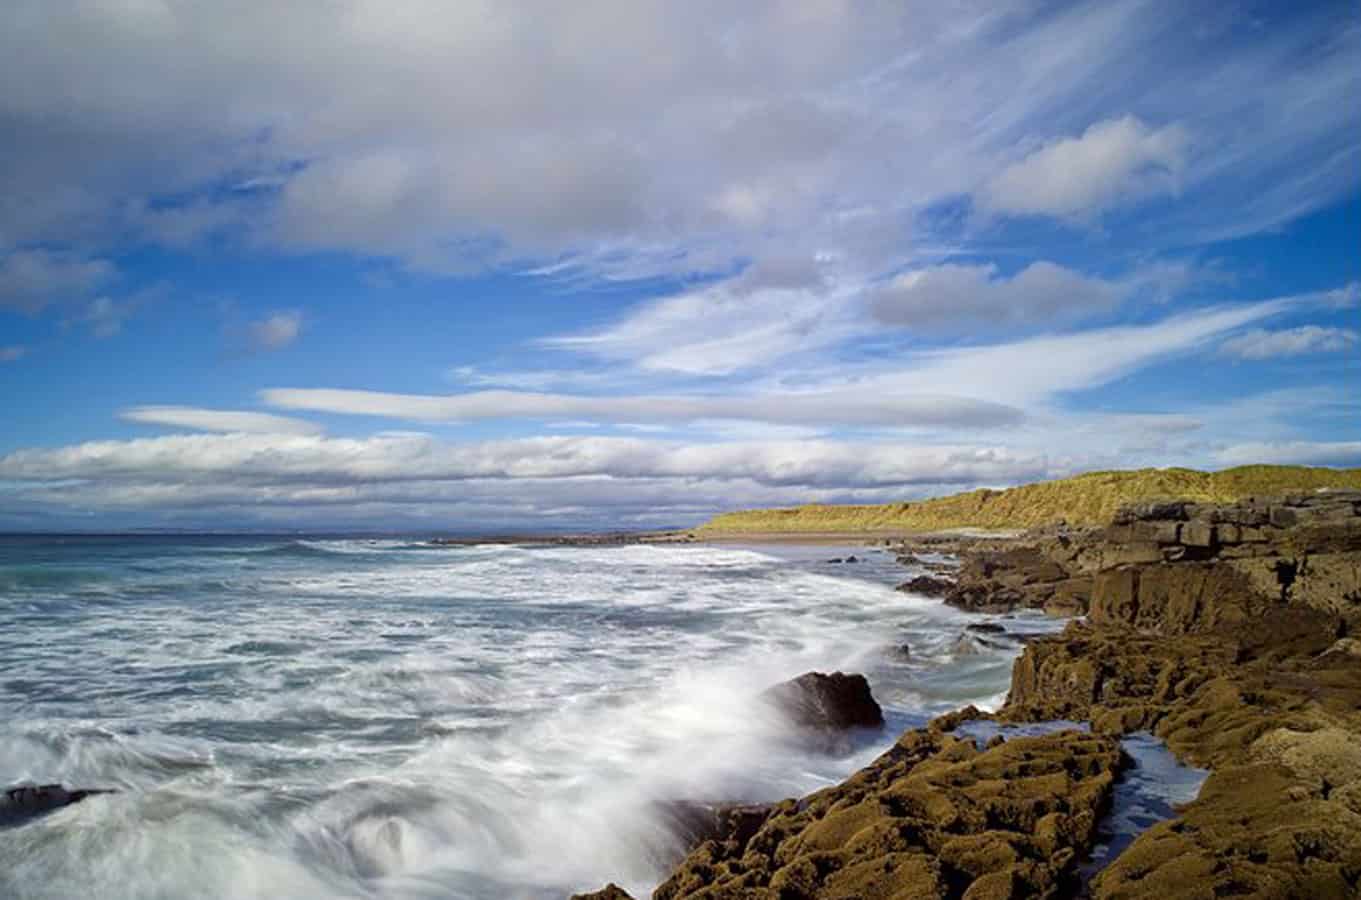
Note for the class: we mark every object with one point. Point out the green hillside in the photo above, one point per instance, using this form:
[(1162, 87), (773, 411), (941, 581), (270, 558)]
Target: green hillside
[(1088, 499)]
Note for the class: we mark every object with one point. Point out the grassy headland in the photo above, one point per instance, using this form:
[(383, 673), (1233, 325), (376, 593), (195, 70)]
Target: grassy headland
[(1088, 499)]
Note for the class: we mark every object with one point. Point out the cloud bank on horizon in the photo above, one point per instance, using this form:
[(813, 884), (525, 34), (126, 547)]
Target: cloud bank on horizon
[(629, 262)]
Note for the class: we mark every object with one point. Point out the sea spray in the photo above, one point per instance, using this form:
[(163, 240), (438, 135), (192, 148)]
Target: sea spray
[(358, 718)]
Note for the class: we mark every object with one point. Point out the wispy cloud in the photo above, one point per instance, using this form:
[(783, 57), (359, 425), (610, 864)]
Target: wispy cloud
[(32, 279), (810, 407), (976, 387), (275, 331), (13, 353), (1304, 340), (1306, 453), (223, 420)]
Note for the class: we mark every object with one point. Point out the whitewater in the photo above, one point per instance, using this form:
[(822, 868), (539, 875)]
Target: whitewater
[(380, 718)]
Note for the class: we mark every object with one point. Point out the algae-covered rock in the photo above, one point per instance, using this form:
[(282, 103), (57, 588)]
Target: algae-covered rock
[(933, 817), (926, 586)]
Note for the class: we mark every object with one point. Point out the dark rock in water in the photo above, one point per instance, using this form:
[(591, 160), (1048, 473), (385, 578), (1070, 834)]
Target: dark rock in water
[(29, 801), (836, 559), (726, 823), (926, 585), (821, 702), (967, 645), (610, 891), (898, 652), (852, 559), (985, 628)]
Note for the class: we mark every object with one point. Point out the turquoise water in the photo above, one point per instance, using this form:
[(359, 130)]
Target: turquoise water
[(387, 719)]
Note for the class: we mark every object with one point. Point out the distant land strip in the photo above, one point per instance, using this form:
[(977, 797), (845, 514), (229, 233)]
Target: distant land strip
[(1088, 499)]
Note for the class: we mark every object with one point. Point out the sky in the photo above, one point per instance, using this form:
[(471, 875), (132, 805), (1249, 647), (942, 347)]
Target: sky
[(460, 266)]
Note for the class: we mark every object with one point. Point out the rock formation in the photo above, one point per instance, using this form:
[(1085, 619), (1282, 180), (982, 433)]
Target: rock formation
[(1231, 632), (827, 703), (19, 804), (1301, 550)]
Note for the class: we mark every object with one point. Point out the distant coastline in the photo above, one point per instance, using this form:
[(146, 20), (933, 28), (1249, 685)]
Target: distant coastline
[(1088, 499)]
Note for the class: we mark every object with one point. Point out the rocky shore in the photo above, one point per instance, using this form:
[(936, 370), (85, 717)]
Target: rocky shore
[(1230, 632)]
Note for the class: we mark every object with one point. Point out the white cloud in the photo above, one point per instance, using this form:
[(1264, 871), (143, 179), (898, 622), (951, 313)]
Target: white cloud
[(275, 331), (812, 407), (1036, 369), (1114, 162), (1296, 453), (446, 136), (1304, 340), (974, 387), (1345, 297), (276, 458), (12, 353), (31, 279), (965, 297), (224, 420), (723, 328)]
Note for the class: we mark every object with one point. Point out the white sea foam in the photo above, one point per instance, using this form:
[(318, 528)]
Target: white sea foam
[(388, 719)]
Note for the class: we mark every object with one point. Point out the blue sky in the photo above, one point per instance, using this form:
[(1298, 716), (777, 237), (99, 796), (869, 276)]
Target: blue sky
[(431, 265)]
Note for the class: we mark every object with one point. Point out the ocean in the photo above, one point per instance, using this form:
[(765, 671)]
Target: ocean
[(384, 718)]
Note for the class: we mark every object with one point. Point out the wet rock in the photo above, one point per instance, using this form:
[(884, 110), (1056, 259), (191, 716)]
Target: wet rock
[(898, 652), (24, 802), (610, 891), (932, 817), (967, 645), (999, 581), (1345, 647), (696, 823), (985, 628), (926, 586), (816, 701), (1263, 703)]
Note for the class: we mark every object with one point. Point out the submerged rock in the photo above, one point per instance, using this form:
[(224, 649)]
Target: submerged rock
[(25, 802), (829, 703), (898, 652)]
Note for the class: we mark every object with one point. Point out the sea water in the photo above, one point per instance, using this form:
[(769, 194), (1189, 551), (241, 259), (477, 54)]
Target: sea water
[(379, 718)]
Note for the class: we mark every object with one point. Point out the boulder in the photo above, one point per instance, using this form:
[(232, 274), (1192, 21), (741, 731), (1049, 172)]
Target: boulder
[(898, 652), (1156, 509), (1330, 582), (816, 701), (926, 586), (28, 801), (610, 891), (1198, 533), (696, 823)]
